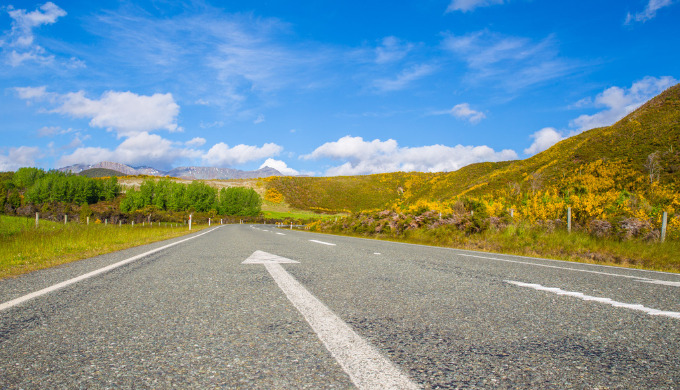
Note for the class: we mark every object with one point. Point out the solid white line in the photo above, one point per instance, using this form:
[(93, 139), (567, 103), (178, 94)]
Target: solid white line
[(322, 242), (457, 251), (88, 275), (559, 291), (280, 234), (366, 367), (636, 278)]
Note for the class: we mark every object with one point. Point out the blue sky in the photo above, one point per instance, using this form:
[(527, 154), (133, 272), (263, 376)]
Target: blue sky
[(322, 88)]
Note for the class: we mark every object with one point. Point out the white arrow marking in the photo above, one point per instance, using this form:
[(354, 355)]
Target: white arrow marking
[(366, 367), (609, 301)]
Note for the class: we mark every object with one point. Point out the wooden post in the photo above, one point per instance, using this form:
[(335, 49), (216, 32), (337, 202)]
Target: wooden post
[(569, 219), (65, 218), (133, 223), (120, 223), (37, 219), (106, 222), (663, 226), (88, 221), (512, 213), (208, 222)]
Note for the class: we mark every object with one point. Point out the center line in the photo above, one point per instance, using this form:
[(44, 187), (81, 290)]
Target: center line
[(321, 242), (367, 368)]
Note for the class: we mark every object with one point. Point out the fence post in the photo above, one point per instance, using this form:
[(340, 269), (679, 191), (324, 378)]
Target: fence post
[(133, 223), (120, 223), (36, 220), (663, 226), (190, 216), (208, 222), (88, 221), (569, 219), (106, 222), (512, 213), (65, 218)]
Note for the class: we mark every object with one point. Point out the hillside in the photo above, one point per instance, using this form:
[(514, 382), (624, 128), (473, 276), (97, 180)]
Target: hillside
[(100, 172), (626, 146)]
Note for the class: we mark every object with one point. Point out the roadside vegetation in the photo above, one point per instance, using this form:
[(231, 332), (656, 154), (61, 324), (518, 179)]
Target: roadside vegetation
[(25, 247)]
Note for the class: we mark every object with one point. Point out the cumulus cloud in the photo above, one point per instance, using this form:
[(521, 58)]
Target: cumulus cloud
[(619, 102), (367, 157), (403, 79), (280, 166), (135, 150), (464, 112), (223, 155), (126, 113), (23, 156), (543, 139), (469, 5), (196, 141), (19, 41), (649, 12)]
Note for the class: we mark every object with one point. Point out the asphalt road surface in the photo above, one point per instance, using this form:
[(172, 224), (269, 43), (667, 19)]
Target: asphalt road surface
[(310, 311)]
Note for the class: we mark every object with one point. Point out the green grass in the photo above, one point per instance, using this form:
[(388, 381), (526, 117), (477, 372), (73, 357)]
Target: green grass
[(25, 248)]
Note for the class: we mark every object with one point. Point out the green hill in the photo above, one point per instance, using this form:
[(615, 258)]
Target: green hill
[(100, 172), (651, 130)]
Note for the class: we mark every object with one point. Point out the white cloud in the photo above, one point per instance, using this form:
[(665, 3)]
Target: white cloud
[(469, 5), (352, 148), (619, 102), (222, 155), (139, 149), (126, 113), (464, 112), (280, 166), (50, 131), (364, 157), (391, 49), (21, 37), (543, 139), (404, 78), (649, 12), (196, 141), (259, 119), (23, 156), (512, 62), (29, 93)]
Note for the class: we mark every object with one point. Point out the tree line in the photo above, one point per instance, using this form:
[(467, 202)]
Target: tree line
[(165, 194), (38, 186)]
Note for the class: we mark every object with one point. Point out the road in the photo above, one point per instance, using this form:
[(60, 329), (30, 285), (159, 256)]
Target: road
[(310, 311)]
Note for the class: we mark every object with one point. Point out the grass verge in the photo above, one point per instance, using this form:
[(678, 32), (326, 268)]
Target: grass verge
[(25, 248), (536, 242)]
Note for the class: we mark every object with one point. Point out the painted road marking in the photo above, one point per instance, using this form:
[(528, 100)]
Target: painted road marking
[(88, 275), (321, 242), (636, 278), (559, 291), (366, 367), (662, 282), (280, 234)]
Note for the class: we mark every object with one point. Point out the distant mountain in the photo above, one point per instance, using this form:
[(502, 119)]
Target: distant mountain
[(197, 173), (100, 172)]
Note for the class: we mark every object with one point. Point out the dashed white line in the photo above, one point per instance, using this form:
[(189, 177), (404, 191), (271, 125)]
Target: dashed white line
[(322, 242), (88, 275), (280, 234), (559, 291)]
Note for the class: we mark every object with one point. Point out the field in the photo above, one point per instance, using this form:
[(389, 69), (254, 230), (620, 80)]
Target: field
[(25, 248)]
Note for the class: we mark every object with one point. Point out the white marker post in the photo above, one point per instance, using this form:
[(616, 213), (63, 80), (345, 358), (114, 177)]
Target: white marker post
[(663, 226), (190, 216), (37, 219), (366, 367)]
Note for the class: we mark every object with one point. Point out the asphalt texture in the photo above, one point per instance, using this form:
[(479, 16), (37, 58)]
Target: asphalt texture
[(193, 316)]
